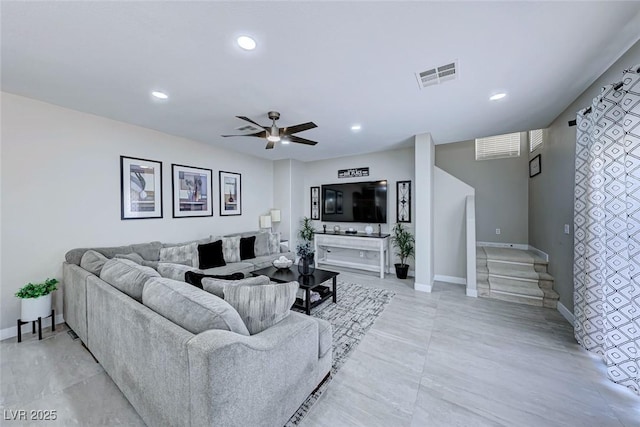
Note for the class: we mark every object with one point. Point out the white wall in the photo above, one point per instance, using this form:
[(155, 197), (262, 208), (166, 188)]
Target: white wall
[(393, 165), (502, 187), (61, 190), (450, 225)]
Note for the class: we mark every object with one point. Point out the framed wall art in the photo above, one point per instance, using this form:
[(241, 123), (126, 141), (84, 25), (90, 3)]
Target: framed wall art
[(230, 193), (535, 166), (315, 202), (403, 201), (191, 191), (140, 188)]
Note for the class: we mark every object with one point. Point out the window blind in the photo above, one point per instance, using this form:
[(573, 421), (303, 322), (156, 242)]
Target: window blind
[(535, 139), (499, 146)]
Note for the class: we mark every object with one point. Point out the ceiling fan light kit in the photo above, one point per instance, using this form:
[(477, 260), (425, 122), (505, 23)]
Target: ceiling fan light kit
[(274, 134)]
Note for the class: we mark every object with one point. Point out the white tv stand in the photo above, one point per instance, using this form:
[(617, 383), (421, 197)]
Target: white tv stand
[(378, 243)]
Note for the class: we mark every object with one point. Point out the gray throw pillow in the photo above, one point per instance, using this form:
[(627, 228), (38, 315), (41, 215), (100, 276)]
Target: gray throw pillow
[(93, 262), (261, 246), (138, 259), (261, 307), (217, 286), (185, 254), (231, 249), (274, 243), (191, 308), (127, 276)]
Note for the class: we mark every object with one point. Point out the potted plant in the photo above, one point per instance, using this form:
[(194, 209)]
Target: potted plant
[(404, 242), (36, 299), (304, 249)]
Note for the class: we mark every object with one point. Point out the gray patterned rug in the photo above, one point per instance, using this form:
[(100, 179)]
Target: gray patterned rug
[(357, 309)]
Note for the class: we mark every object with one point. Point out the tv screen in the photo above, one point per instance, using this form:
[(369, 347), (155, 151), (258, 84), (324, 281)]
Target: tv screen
[(355, 202)]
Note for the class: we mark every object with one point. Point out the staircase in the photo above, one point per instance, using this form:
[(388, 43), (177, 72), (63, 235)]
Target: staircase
[(514, 275)]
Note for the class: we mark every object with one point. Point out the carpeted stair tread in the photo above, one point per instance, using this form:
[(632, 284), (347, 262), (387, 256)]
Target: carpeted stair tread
[(513, 255), (514, 287)]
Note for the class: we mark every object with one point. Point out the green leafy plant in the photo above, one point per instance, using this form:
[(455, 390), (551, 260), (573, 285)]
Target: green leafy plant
[(305, 234), (35, 290), (404, 242)]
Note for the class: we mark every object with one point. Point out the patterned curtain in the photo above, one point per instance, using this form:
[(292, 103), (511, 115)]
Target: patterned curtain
[(607, 229)]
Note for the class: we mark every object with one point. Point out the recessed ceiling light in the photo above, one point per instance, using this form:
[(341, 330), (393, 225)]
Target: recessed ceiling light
[(497, 96), (246, 42), (356, 128), (285, 141), (159, 95)]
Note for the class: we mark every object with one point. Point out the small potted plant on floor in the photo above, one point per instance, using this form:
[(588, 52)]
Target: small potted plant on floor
[(404, 242), (36, 299), (305, 247)]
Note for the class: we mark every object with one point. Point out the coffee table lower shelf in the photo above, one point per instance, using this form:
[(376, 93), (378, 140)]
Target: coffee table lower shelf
[(325, 293)]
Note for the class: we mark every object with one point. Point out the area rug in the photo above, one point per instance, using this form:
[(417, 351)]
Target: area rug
[(357, 309)]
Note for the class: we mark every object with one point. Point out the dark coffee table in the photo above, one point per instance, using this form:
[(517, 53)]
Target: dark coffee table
[(308, 283)]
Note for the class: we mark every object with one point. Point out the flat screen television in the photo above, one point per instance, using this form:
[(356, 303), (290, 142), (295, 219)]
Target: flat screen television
[(355, 202)]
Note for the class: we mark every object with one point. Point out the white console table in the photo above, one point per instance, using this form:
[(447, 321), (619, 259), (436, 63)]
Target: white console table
[(377, 243)]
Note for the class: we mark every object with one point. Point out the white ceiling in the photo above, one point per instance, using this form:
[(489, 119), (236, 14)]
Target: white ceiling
[(334, 63)]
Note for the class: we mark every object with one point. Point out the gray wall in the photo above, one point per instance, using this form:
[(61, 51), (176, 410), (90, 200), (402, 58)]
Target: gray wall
[(551, 192), (501, 190)]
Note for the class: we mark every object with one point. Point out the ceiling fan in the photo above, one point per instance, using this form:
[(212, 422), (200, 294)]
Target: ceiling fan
[(274, 134)]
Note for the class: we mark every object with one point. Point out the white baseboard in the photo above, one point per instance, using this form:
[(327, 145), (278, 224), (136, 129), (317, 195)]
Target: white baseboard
[(540, 253), (422, 287), (503, 245), (13, 331), (450, 279), (472, 293), (566, 313)]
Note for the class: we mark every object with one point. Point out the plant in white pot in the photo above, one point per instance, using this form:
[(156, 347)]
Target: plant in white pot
[(404, 242), (36, 299)]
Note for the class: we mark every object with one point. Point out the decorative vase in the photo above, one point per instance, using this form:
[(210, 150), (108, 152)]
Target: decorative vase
[(368, 229), (402, 270), (306, 265), (336, 228), (32, 308)]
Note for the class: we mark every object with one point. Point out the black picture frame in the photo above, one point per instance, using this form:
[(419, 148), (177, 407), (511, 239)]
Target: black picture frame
[(315, 203), (535, 166), (403, 201), (191, 188), (140, 188), (230, 186)]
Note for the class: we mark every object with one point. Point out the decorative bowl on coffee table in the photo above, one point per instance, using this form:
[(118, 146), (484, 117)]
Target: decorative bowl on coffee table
[(282, 264)]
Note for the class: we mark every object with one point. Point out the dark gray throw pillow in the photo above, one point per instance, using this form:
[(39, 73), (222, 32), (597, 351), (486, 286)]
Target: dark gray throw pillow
[(210, 255)]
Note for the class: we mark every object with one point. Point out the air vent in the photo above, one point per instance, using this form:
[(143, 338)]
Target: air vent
[(248, 128), (437, 75)]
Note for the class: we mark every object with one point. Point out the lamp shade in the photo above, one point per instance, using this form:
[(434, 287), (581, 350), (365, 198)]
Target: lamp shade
[(265, 221), (275, 215)]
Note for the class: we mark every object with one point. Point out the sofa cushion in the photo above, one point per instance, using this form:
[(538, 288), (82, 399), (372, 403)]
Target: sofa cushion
[(195, 279), (261, 307), (127, 276), (247, 250), (93, 262), (185, 254), (174, 271), (148, 251), (210, 255), (274, 243), (231, 248), (137, 258), (261, 246), (216, 286), (191, 308), (74, 256), (235, 267)]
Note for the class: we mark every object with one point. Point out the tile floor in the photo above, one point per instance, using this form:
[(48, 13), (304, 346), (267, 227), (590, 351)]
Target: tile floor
[(439, 359)]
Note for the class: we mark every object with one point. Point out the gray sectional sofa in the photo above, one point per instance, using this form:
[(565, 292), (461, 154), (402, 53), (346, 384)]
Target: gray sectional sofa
[(188, 372)]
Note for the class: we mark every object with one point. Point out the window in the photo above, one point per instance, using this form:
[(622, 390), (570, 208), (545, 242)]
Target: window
[(535, 139), (498, 147)]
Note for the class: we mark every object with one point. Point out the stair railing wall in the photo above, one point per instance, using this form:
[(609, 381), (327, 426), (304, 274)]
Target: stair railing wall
[(470, 220)]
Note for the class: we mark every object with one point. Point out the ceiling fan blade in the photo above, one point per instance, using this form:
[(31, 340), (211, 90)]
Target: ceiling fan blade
[(270, 145), (260, 134), (247, 119), (299, 140), (289, 130)]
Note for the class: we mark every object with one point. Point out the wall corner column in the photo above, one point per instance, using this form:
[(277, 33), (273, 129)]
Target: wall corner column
[(424, 167)]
